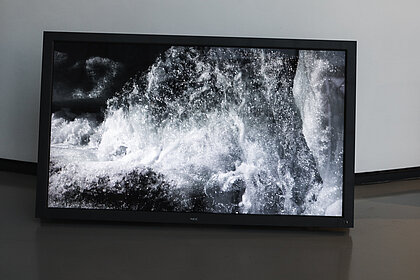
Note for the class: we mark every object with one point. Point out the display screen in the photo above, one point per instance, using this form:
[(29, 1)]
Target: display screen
[(197, 129)]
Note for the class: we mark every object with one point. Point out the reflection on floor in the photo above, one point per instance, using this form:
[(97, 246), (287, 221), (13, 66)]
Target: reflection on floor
[(383, 245)]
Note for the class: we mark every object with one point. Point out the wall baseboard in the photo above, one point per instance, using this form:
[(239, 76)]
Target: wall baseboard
[(18, 166), (382, 176), (363, 178)]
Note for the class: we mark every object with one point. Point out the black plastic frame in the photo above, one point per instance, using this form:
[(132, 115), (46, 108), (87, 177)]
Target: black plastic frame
[(44, 212)]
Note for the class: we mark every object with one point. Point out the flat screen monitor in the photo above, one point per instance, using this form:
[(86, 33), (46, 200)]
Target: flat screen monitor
[(194, 129)]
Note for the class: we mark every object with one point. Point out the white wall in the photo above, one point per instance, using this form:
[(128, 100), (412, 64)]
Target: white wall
[(388, 95)]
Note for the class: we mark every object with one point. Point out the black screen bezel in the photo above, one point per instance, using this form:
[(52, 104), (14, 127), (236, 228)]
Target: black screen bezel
[(44, 212)]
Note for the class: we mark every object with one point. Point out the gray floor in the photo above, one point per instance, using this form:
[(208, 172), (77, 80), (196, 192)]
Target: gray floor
[(385, 244)]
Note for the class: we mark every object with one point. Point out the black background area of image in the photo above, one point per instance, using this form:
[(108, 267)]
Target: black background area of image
[(71, 74)]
